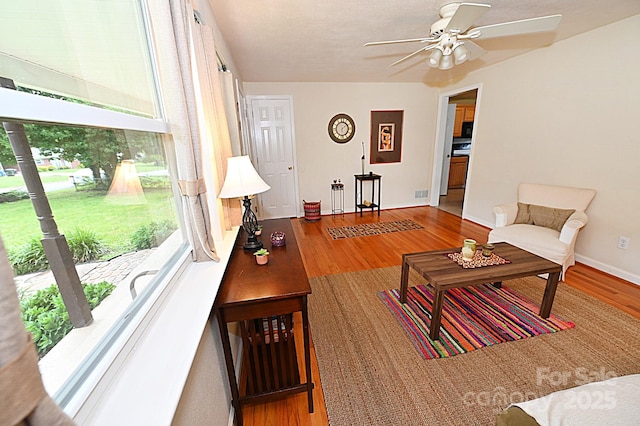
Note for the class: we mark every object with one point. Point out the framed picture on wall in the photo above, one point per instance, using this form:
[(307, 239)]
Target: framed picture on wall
[(386, 137)]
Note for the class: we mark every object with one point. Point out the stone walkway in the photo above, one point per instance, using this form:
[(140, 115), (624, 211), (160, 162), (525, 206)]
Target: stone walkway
[(114, 271)]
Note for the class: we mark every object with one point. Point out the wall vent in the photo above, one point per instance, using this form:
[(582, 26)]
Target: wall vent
[(422, 193)]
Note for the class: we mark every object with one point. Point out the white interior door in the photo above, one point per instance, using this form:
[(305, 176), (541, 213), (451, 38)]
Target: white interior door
[(274, 150), (448, 144)]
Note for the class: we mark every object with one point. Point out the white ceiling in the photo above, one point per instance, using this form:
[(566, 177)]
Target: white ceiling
[(322, 40)]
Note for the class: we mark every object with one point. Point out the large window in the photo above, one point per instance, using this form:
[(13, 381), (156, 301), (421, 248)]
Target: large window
[(87, 96), (95, 51)]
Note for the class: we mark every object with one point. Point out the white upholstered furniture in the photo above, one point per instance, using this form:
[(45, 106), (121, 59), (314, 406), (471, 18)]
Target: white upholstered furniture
[(613, 401), (555, 245)]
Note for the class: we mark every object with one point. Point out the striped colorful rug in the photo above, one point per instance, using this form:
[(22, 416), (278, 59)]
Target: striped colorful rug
[(472, 318), (375, 228)]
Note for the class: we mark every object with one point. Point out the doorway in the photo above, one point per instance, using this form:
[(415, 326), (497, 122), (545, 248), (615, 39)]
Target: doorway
[(273, 153), (454, 143)]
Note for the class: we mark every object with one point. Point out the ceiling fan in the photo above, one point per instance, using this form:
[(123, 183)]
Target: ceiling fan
[(451, 36)]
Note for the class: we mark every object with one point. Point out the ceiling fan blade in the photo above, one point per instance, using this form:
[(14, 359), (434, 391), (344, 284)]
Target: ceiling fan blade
[(525, 26), (465, 16), (424, 49), (475, 51), (410, 40)]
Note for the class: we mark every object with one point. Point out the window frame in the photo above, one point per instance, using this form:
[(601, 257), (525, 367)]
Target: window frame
[(29, 108), (138, 378)]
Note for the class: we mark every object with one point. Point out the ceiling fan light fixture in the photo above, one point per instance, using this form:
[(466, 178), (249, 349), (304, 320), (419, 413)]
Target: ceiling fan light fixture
[(434, 58), (457, 24), (460, 53), (446, 62)]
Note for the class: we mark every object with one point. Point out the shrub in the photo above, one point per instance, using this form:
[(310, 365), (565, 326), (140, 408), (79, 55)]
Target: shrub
[(46, 318), (155, 182), (85, 245), (152, 235), (11, 196), (28, 258)]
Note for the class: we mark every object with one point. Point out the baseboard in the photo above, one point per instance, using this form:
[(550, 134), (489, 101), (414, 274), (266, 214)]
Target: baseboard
[(424, 203), (616, 272), (478, 221), (238, 364)]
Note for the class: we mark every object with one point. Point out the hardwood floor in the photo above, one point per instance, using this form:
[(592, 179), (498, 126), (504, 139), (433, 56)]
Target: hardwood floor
[(323, 256), (452, 202)]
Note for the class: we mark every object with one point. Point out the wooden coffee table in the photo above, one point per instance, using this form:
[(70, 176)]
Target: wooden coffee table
[(443, 273)]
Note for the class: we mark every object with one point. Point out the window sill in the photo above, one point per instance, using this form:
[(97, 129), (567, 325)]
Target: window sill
[(141, 383)]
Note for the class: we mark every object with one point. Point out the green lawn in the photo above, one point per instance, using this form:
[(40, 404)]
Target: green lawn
[(114, 224)]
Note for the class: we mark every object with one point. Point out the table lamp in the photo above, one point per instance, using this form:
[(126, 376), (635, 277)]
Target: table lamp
[(242, 180)]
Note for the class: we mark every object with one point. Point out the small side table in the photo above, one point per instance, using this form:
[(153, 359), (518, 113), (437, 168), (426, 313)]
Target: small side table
[(373, 178), (337, 198)]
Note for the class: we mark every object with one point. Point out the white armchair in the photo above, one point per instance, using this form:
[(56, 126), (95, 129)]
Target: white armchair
[(536, 235)]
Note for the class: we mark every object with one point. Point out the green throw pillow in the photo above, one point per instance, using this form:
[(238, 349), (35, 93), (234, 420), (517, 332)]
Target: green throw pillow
[(547, 217)]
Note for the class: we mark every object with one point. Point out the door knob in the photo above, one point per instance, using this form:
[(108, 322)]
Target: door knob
[(290, 167)]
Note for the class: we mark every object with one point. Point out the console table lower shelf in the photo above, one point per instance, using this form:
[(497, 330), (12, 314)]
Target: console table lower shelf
[(269, 361)]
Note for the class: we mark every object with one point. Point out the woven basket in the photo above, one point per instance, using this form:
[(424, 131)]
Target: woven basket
[(312, 210)]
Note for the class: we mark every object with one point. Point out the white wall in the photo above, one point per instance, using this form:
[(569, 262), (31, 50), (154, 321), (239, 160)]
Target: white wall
[(206, 396), (561, 115), (320, 160), (566, 115)]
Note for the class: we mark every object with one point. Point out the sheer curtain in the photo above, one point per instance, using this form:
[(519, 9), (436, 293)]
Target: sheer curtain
[(214, 115), (181, 93), (23, 399)]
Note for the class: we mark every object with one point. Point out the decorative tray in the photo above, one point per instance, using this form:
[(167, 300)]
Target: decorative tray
[(478, 260)]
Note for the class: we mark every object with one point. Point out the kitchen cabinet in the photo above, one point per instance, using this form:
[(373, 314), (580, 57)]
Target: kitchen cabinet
[(469, 112), (458, 171), (463, 113)]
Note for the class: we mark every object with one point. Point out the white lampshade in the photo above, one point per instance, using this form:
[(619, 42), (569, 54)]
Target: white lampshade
[(446, 62), (460, 53), (241, 179), (434, 58), (126, 187)]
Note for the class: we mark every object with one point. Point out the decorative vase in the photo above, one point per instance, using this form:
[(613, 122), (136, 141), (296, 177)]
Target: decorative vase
[(262, 260), (470, 243), (487, 249), (467, 253), (469, 249)]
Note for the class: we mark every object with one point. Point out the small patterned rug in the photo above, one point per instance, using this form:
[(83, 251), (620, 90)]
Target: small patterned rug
[(376, 228), (472, 318)]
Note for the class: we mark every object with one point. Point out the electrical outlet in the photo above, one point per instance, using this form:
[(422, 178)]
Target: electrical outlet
[(623, 242)]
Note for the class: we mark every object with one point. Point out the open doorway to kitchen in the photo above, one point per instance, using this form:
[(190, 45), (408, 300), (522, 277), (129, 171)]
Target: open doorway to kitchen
[(454, 143)]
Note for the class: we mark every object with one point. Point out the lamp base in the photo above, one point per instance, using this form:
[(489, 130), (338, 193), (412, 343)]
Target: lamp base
[(250, 225), (252, 244)]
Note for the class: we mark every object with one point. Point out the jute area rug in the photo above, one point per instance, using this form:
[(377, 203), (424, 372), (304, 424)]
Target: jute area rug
[(372, 375)]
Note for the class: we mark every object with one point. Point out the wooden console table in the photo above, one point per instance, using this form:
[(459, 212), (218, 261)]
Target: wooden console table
[(262, 299)]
